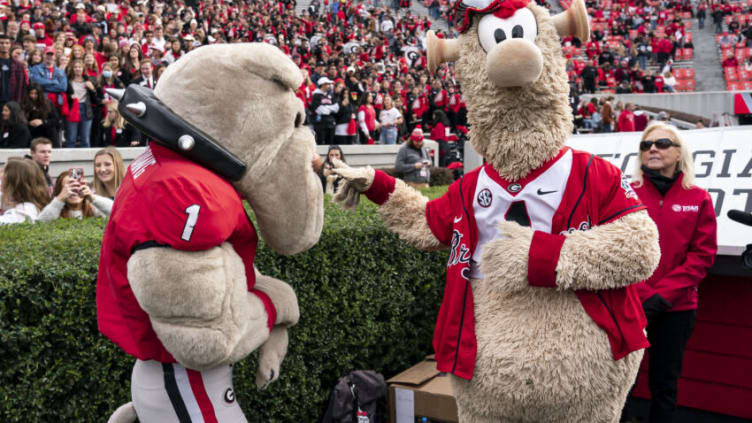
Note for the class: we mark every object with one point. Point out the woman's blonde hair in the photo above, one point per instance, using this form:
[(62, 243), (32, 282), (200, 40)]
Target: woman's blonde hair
[(118, 122), (117, 163), (25, 183), (685, 163)]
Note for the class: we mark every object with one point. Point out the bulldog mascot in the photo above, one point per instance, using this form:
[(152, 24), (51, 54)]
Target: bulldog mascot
[(177, 287)]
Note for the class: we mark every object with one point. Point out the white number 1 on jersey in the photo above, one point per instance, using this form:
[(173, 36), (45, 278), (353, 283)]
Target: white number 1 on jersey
[(192, 212)]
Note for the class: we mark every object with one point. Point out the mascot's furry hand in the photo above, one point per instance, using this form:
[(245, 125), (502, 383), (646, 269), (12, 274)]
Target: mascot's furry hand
[(357, 181), (505, 259)]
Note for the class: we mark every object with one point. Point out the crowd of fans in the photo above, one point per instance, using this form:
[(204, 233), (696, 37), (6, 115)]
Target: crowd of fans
[(59, 58), (733, 27), (634, 47)]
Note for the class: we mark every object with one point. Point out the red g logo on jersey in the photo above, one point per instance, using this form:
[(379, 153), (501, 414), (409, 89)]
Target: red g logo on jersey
[(485, 198)]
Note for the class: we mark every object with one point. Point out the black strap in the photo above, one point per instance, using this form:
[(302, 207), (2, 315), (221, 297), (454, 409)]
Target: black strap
[(171, 385), (147, 244)]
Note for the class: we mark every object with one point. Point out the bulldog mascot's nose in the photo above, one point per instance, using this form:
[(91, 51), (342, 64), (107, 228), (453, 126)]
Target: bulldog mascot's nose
[(507, 31)]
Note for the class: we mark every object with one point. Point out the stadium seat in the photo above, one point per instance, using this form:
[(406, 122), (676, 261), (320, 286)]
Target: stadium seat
[(731, 74)]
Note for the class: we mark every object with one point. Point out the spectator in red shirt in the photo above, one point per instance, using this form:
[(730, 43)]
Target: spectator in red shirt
[(730, 61), (687, 233), (627, 119)]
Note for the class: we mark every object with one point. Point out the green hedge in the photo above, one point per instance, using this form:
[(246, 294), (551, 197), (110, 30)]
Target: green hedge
[(367, 300)]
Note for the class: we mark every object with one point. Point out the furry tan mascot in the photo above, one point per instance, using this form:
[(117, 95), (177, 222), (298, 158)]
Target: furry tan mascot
[(540, 321), (177, 287)]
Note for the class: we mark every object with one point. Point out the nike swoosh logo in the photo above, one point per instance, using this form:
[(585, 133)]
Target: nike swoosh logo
[(457, 219), (541, 192)]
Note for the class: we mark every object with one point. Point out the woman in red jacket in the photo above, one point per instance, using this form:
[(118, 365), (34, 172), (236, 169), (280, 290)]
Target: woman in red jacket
[(685, 217)]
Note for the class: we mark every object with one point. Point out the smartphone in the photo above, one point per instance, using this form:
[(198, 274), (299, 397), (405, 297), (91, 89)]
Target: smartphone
[(76, 174)]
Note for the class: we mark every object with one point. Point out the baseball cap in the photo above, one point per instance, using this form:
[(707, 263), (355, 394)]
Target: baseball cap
[(38, 25), (49, 49), (351, 68), (80, 6), (323, 80), (417, 134)]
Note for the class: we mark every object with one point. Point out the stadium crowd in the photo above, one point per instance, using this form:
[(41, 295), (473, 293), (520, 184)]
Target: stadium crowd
[(58, 58)]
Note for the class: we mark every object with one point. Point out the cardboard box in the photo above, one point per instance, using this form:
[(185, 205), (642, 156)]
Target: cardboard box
[(421, 391)]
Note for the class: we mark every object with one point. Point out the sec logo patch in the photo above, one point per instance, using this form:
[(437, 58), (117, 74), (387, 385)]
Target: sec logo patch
[(485, 197), (676, 208)]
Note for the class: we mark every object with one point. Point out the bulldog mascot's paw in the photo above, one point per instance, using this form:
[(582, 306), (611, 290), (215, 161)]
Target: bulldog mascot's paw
[(540, 321), (177, 286)]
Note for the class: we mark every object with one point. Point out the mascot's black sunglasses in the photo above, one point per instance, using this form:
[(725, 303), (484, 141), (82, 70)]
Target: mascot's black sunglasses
[(660, 143)]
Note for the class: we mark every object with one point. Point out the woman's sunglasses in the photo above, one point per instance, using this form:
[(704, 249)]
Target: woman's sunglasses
[(660, 143)]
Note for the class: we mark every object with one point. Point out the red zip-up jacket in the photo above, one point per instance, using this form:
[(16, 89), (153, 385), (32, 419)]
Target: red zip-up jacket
[(687, 231), (595, 194)]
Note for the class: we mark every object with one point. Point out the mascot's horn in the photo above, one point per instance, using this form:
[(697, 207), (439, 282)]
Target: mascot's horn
[(439, 50), (573, 21)]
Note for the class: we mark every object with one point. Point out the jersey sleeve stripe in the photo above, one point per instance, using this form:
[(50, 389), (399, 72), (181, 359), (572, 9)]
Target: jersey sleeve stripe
[(636, 207), (584, 189)]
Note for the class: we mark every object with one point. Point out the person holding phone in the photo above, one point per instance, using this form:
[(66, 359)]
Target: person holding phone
[(329, 180), (72, 198)]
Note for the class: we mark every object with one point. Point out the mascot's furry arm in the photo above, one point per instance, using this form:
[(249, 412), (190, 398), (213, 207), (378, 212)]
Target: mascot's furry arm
[(404, 212), (613, 255), (207, 317)]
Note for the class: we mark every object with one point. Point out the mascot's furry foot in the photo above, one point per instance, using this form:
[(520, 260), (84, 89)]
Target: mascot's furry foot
[(126, 413), (270, 357)]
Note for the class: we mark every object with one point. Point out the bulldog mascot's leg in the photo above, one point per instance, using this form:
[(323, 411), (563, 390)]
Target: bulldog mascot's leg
[(177, 287)]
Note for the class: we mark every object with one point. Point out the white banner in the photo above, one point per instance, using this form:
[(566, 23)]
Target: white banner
[(723, 166)]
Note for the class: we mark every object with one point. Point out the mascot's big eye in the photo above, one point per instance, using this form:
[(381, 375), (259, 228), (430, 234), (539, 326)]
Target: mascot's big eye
[(493, 30)]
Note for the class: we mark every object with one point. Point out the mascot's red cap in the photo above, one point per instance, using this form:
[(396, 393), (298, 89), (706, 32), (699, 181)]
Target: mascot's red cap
[(465, 9)]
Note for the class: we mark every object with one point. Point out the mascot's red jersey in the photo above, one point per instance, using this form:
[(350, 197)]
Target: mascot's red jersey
[(573, 191), (165, 200)]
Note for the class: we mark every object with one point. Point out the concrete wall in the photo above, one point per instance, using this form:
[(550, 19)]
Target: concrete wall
[(377, 156), (706, 104)]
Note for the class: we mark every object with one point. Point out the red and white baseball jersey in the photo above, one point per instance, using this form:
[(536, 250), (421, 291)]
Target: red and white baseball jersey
[(572, 191), (165, 200)]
